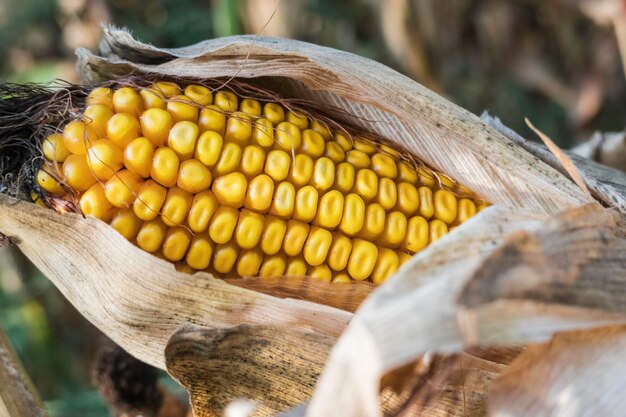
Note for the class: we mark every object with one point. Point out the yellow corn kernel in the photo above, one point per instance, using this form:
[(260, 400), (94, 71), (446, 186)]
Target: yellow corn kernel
[(127, 100), (48, 182), (317, 245), (164, 169), (404, 257), (105, 159), (138, 156), (209, 148), (238, 129), (122, 128), (323, 174), (374, 223), (78, 137), (358, 159), (226, 100), (182, 139), (312, 143), (176, 243), (225, 256), (155, 125), (296, 266), (288, 136), (395, 230), (200, 94), (249, 262), (53, 148), (301, 170), (445, 205), (96, 117), (277, 165), (259, 193), (212, 119), (273, 266), (426, 208), (384, 165), (295, 236), (77, 173), (230, 189), (250, 107), (126, 223), (386, 265), (353, 215), (437, 229), (339, 252), (466, 209), (249, 229), (334, 152), (446, 181), (389, 150), (193, 176), (284, 200), (321, 128), (366, 184), (252, 161), (406, 173), (341, 278), (176, 206), (387, 193), (101, 95), (344, 178), (408, 198), (152, 98), (263, 133), (203, 206), (329, 210), (182, 108), (229, 159), (417, 234), (365, 145), (94, 202), (150, 199), (121, 190), (273, 234), (426, 177), (167, 89), (274, 113), (320, 272), (306, 204), (299, 120), (362, 259), (200, 252), (151, 235), (223, 223), (343, 140)]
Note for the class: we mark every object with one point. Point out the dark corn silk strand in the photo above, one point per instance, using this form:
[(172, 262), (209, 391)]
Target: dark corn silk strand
[(240, 187)]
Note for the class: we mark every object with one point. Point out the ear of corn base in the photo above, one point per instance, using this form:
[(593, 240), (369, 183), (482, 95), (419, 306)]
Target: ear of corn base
[(239, 187)]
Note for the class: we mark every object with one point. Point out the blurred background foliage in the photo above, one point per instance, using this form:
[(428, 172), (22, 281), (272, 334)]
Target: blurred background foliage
[(557, 62)]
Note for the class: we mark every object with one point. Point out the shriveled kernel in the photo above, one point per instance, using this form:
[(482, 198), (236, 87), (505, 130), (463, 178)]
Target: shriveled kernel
[(151, 235), (212, 119), (249, 262), (226, 101), (446, 181), (223, 223), (199, 93), (200, 252), (344, 141), (101, 95), (53, 148), (296, 266), (288, 136), (152, 98), (386, 265), (366, 184), (436, 229), (273, 266), (238, 128), (249, 229), (364, 145), (150, 199), (96, 117), (374, 223), (344, 178), (176, 244), (105, 159), (122, 128), (389, 150), (224, 257), (77, 173), (121, 190), (138, 156), (334, 152), (277, 165), (176, 206), (317, 245), (329, 210), (273, 234), (395, 229), (426, 177), (295, 236), (353, 215), (167, 88), (263, 133), (362, 259), (193, 176), (300, 120), (341, 278), (339, 252), (78, 137), (445, 206), (48, 182), (284, 200), (466, 209), (93, 202), (203, 206), (126, 223), (229, 159), (301, 170), (387, 193), (230, 189), (182, 139), (312, 143), (252, 160), (384, 165), (164, 169), (209, 148), (406, 173), (274, 112), (321, 128), (250, 107), (320, 272), (426, 208), (408, 198), (259, 193), (155, 125), (358, 159), (404, 257), (306, 204), (127, 100), (323, 174), (182, 108), (481, 205)]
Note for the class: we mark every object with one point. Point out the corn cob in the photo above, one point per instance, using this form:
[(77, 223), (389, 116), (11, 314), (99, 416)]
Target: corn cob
[(240, 187)]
